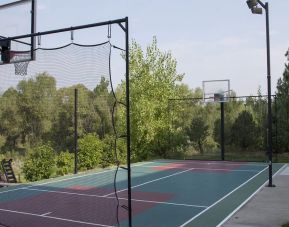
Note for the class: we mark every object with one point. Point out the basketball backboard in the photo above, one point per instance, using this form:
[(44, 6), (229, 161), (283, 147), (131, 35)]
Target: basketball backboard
[(216, 90), (17, 18)]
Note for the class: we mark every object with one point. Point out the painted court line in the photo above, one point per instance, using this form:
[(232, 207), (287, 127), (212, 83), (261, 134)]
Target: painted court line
[(55, 218), (242, 204), (218, 201), (151, 181), (113, 197), (216, 162), (45, 214), (165, 203), (216, 169)]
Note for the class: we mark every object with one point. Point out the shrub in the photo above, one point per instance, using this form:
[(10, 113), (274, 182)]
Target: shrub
[(90, 150), (65, 163), (39, 163), (108, 153)]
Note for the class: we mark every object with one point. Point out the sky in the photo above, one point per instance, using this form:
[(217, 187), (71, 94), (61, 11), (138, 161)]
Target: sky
[(210, 40)]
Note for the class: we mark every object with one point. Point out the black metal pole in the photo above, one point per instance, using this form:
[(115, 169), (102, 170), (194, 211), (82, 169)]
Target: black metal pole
[(75, 130), (33, 27), (128, 123), (269, 95), (222, 131), (276, 124), (118, 21)]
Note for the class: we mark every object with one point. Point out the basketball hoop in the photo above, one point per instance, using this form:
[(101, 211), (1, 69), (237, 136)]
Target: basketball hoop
[(216, 91), (20, 59)]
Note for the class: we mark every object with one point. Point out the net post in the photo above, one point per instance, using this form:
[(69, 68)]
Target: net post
[(128, 123), (75, 131), (222, 131)]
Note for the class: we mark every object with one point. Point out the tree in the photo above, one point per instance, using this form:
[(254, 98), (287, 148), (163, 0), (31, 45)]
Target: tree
[(103, 104), (198, 132), (153, 79), (244, 130), (39, 163), (10, 118), (282, 115), (90, 151), (36, 104)]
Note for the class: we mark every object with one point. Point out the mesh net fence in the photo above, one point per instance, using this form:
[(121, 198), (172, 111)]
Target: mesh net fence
[(195, 129), (66, 101)]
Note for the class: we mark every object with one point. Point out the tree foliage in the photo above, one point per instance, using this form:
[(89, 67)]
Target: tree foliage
[(282, 110), (198, 132), (153, 81), (244, 130), (39, 163), (90, 150)]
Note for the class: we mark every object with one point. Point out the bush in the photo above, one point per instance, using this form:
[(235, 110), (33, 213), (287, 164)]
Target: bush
[(65, 163), (39, 163), (108, 153), (90, 151)]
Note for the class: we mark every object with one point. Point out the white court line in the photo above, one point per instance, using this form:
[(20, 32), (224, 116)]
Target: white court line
[(242, 204), (45, 214), (66, 179), (214, 162), (216, 169), (166, 203), (113, 197), (56, 218), (221, 199), (151, 181)]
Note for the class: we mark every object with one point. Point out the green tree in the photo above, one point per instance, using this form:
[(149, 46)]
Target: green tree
[(198, 132), (103, 103), (36, 104), (65, 163), (153, 79), (10, 118), (282, 116), (90, 151), (244, 130), (39, 163)]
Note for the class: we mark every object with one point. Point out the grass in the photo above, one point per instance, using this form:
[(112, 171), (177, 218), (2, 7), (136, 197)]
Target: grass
[(285, 225)]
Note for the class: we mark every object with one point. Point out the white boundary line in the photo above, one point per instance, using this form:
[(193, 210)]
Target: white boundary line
[(214, 162), (56, 218), (151, 181), (112, 197), (45, 213), (221, 199), (215, 169), (242, 204)]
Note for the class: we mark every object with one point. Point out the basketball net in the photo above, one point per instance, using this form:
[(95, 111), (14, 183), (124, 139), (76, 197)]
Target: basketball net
[(20, 61)]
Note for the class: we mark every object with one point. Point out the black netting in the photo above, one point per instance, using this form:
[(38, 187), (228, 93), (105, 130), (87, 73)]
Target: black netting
[(64, 102), (195, 129)]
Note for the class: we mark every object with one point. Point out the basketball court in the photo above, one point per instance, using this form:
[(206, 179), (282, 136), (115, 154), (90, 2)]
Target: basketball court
[(164, 193), (154, 193)]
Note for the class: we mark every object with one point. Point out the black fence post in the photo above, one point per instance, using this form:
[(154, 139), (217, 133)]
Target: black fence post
[(222, 131), (75, 130)]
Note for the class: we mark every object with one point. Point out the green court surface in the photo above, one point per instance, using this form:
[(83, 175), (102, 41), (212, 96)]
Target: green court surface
[(164, 193)]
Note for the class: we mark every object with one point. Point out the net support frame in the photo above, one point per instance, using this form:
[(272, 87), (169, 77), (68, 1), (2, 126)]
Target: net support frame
[(124, 24)]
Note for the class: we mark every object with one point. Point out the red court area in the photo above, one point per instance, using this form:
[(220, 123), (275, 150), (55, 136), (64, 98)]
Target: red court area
[(199, 166), (76, 206)]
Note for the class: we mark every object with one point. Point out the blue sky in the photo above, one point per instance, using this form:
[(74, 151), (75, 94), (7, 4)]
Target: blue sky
[(209, 39)]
